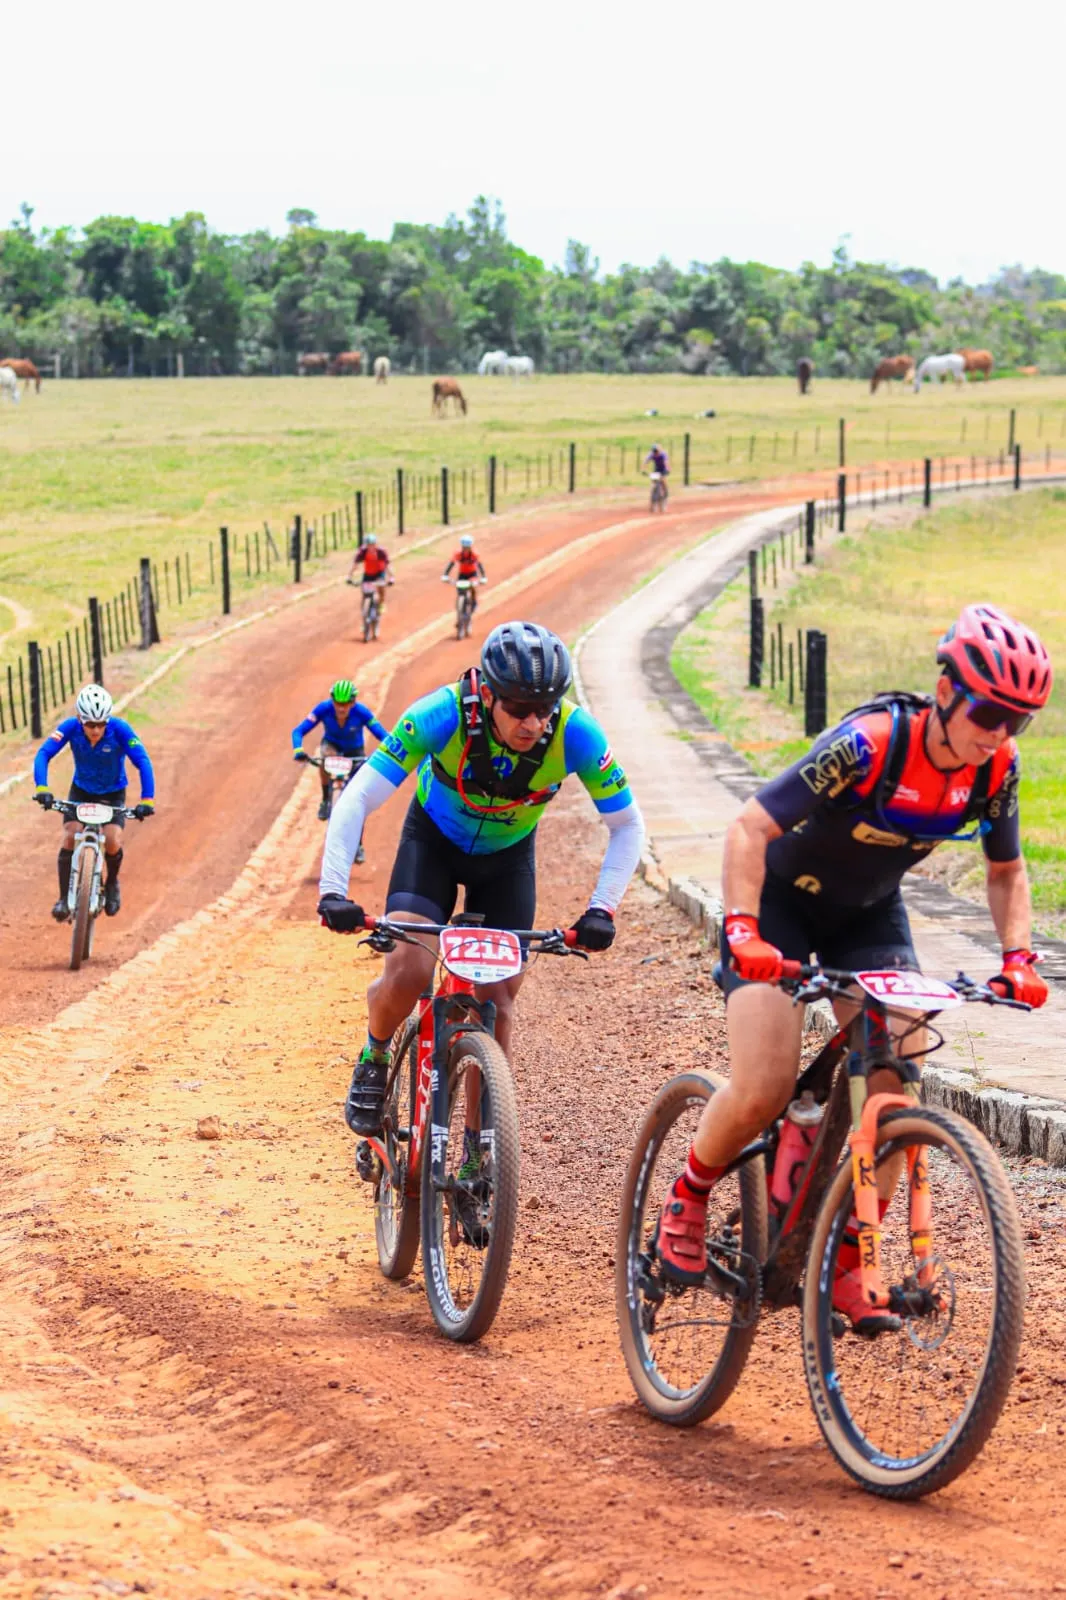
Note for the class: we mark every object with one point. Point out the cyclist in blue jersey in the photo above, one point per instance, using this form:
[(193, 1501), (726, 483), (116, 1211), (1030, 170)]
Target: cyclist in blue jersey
[(342, 718), (491, 752), (99, 743)]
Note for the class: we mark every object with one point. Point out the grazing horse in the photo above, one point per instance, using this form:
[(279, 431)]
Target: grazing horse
[(23, 369), (382, 368), (519, 366), (804, 373), (445, 389), (978, 361), (492, 363), (891, 367), (349, 364), (9, 384), (314, 361), (940, 367)]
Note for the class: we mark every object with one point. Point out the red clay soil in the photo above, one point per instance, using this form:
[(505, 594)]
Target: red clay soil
[(208, 1388)]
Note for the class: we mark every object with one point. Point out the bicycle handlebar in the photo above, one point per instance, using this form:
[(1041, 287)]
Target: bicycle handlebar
[(827, 982), (551, 940), (69, 808), (320, 761)]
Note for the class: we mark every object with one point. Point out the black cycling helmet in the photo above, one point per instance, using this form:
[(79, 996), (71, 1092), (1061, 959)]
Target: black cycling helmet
[(523, 661)]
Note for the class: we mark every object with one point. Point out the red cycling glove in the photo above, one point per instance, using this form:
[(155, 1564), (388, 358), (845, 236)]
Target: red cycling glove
[(753, 958), (1019, 979)]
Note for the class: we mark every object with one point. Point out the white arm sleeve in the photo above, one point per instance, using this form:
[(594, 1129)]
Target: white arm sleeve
[(620, 858), (367, 791)]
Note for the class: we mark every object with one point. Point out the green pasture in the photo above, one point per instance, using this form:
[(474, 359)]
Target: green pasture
[(883, 595), (95, 474)]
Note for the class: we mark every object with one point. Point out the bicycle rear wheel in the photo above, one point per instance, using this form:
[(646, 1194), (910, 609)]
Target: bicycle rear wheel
[(81, 928), (468, 1220), (396, 1211), (685, 1348), (907, 1412)]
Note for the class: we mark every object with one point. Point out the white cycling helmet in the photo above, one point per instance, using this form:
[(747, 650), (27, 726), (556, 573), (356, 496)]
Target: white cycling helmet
[(466, 540), (94, 704)]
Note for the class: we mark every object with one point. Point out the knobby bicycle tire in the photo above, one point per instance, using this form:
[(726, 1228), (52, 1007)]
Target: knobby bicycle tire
[(396, 1219), (910, 1478), (682, 1408), (465, 1324), (82, 920)]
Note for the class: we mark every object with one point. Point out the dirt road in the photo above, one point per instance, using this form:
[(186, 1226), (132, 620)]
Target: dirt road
[(207, 1388)]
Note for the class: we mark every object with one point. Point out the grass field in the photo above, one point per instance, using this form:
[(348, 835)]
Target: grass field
[(883, 596), (94, 475)]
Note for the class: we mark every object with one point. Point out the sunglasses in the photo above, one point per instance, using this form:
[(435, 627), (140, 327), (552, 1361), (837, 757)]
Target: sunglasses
[(990, 715), (521, 709), (94, 724)]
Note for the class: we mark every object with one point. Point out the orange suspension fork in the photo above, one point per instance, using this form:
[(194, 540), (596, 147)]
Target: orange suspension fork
[(866, 1113)]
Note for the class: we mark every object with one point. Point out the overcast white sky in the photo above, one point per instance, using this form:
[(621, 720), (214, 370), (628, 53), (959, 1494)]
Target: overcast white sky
[(931, 132)]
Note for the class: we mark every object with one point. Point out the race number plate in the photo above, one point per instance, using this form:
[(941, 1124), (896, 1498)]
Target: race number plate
[(338, 766), (463, 583), (481, 955), (371, 586), (908, 991), (93, 812)]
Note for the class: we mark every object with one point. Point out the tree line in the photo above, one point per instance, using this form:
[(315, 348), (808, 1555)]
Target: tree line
[(125, 296)]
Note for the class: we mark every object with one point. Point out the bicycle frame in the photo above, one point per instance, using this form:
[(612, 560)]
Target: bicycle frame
[(90, 837)]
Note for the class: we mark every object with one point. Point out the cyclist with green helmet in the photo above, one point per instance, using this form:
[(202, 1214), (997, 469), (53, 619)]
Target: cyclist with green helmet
[(342, 718)]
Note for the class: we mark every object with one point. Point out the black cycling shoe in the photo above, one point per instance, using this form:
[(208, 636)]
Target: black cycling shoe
[(323, 811), (360, 855), (61, 911), (112, 898), (366, 1094), (470, 1199)]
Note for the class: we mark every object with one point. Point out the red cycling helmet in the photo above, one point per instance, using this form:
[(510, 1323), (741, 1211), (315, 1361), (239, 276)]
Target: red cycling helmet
[(990, 654)]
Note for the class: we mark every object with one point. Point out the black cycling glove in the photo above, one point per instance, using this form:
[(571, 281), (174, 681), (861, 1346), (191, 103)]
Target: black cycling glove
[(45, 798), (594, 929), (143, 810), (340, 915)]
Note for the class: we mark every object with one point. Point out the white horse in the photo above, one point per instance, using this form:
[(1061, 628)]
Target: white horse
[(382, 368), (9, 385), (519, 366), (940, 367), (492, 363)]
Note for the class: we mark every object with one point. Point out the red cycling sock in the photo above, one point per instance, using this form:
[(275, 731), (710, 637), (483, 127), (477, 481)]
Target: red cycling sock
[(698, 1179)]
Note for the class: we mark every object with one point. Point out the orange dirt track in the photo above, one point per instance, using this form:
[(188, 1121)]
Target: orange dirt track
[(209, 1390)]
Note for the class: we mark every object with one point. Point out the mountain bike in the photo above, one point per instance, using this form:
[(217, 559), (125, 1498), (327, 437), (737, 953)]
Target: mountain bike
[(451, 1082), (84, 897), (340, 770), (658, 491), (906, 1411), (464, 607), (371, 610)]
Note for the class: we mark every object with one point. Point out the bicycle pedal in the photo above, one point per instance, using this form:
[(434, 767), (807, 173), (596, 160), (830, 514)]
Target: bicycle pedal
[(367, 1162)]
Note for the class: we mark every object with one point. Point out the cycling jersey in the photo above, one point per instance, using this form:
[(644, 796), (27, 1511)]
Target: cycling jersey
[(431, 735), (99, 768), (839, 843), (374, 559), (659, 460), (468, 563), (346, 737)]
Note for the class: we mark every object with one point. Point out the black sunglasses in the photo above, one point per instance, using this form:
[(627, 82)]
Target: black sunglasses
[(990, 715), (521, 709)]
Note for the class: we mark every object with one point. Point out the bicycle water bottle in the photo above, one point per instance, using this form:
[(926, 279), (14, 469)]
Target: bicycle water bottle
[(799, 1130)]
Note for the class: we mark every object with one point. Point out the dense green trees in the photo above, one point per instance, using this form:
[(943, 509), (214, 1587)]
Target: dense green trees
[(133, 297)]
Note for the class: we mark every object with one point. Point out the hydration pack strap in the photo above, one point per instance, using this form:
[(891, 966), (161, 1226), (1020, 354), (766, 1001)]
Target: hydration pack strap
[(505, 794)]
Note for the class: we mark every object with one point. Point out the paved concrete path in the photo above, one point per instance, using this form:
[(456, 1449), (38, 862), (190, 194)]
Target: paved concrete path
[(690, 784)]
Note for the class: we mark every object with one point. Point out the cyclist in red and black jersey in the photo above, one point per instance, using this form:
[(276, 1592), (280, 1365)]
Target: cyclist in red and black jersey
[(813, 865), (377, 568)]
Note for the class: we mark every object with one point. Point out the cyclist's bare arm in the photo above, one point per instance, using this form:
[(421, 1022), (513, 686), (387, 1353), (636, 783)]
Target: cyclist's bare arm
[(1009, 901), (744, 862)]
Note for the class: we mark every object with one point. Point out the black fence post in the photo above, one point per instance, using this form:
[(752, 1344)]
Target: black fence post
[(444, 495), (36, 724), (96, 639), (297, 547), (755, 649), (815, 690), (359, 516), (399, 500), (841, 456), (1010, 439), (809, 556), (223, 554), (688, 453), (1017, 466), (927, 481), (149, 624), (573, 467), (842, 501), (753, 572), (492, 486)]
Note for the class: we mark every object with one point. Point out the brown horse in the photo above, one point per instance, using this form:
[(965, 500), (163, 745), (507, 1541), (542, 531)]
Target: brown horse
[(23, 369), (804, 373), (314, 361), (891, 367), (445, 389), (978, 361), (349, 364)]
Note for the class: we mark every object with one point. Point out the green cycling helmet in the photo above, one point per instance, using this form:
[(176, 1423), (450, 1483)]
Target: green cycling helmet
[(343, 692)]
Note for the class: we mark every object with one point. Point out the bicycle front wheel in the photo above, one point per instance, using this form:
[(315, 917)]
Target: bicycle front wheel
[(685, 1348), (905, 1413), (395, 1209), (470, 1208), (81, 923)]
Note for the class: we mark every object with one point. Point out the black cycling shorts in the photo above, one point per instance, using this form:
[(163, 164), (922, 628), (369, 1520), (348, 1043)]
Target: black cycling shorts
[(114, 797), (429, 868), (853, 938)]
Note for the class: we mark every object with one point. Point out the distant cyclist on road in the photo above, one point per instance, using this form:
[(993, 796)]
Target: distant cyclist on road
[(342, 719), (468, 564), (660, 469), (491, 752), (377, 568), (813, 864), (100, 744)]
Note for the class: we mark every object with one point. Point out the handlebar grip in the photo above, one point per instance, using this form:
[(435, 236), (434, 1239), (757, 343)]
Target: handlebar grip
[(998, 987), (369, 922), (793, 970), (570, 938)]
